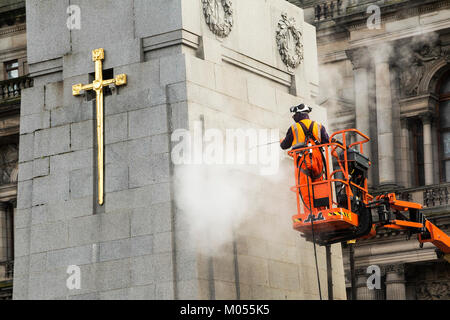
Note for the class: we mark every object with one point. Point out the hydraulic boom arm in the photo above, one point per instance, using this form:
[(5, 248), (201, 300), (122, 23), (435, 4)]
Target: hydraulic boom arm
[(393, 215), (436, 237)]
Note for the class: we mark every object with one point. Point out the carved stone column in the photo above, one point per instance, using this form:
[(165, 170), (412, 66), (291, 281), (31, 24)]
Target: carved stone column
[(405, 173), (362, 291), (360, 59), (395, 282), (386, 158), (428, 149)]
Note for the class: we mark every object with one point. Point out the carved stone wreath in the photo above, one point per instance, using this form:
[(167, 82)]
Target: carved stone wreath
[(286, 29), (218, 26)]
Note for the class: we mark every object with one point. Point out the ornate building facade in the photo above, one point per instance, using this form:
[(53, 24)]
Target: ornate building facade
[(385, 70), (13, 78)]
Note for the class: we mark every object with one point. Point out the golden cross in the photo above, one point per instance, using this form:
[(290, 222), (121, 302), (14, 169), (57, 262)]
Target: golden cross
[(98, 56)]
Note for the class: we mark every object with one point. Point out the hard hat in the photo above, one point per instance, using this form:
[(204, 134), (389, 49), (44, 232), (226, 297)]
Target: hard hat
[(302, 108)]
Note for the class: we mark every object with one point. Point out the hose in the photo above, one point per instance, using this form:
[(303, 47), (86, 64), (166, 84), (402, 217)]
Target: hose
[(298, 179), (314, 241), (312, 223)]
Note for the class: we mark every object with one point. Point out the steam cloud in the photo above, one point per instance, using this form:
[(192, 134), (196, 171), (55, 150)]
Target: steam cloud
[(218, 203)]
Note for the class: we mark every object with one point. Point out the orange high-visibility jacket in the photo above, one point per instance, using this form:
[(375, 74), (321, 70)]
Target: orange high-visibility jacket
[(299, 135)]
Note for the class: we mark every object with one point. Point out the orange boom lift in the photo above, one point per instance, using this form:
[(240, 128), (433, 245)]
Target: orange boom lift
[(341, 207)]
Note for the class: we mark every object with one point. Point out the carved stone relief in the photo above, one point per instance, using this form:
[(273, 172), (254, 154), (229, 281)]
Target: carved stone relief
[(219, 16), (290, 42), (433, 291), (416, 62), (9, 157)]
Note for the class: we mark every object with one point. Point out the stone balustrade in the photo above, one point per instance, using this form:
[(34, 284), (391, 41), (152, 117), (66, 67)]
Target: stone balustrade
[(12, 88), (428, 196), (328, 10)]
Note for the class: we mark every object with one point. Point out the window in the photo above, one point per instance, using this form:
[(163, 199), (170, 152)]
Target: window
[(444, 127), (6, 239), (12, 69)]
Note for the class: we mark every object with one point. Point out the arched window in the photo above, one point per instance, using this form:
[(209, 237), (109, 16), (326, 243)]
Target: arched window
[(444, 127)]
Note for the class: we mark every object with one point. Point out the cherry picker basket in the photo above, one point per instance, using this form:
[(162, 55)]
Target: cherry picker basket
[(337, 209)]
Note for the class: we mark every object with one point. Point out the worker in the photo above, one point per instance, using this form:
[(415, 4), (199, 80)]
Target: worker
[(310, 164)]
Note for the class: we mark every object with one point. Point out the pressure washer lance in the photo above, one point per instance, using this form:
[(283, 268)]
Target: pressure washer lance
[(270, 143), (264, 145)]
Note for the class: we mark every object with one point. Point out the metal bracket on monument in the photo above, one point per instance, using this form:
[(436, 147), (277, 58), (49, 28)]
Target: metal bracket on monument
[(114, 89)]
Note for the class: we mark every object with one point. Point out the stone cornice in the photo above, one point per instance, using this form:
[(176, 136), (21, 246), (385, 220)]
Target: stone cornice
[(8, 192), (9, 131), (8, 6), (398, 268), (417, 106), (46, 67), (255, 66), (390, 12), (333, 57), (343, 30), (173, 38), (397, 35), (8, 31)]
